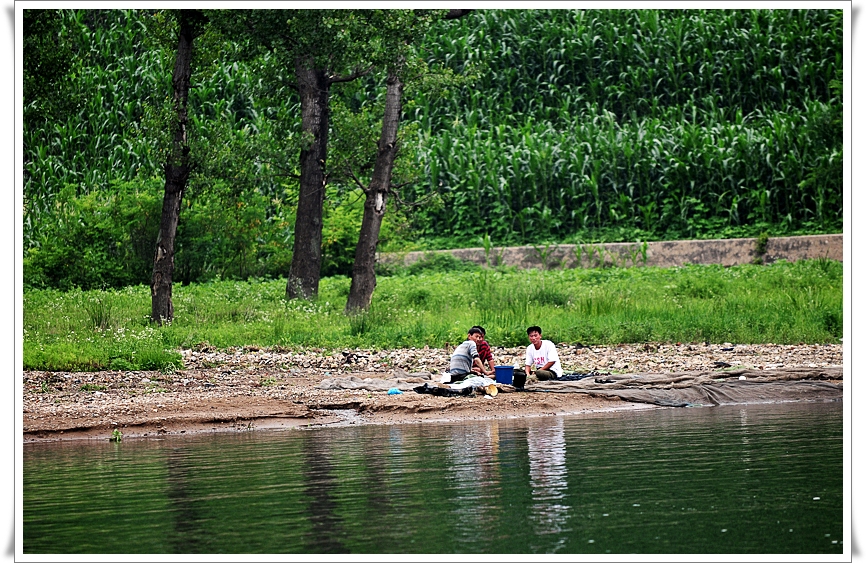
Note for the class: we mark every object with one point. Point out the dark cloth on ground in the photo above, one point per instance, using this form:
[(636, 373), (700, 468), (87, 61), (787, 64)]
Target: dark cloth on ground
[(576, 376), (457, 377), (429, 389), (709, 388)]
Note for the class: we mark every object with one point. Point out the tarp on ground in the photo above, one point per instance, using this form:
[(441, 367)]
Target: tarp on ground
[(683, 389), (734, 387), (373, 384)]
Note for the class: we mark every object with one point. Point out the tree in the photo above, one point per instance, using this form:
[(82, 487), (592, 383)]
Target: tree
[(177, 169), (314, 88), (377, 191), (324, 47), (363, 270)]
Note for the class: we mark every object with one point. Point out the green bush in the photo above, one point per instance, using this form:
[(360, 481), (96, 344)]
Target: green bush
[(341, 225), (223, 233), (100, 239), (106, 238)]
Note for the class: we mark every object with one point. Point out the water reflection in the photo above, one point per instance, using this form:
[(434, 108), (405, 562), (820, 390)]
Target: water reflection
[(471, 454), (182, 537), (746, 440), (648, 482), (548, 478), (319, 488)]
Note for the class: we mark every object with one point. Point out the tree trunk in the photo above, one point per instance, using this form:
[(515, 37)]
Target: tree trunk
[(364, 269), (177, 169), (313, 86)]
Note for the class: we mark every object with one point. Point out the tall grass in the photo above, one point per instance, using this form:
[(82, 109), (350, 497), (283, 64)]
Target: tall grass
[(116, 78), (779, 303)]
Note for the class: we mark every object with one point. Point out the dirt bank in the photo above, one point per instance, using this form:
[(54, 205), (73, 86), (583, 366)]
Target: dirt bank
[(254, 388), (664, 254)]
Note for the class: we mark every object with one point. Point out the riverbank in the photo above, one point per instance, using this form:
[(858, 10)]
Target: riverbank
[(663, 254), (257, 389)]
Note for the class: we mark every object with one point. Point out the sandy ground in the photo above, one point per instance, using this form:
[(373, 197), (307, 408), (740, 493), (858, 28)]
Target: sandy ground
[(257, 389)]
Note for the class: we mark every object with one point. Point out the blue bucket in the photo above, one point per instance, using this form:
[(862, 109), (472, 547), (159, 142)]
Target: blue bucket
[(504, 374)]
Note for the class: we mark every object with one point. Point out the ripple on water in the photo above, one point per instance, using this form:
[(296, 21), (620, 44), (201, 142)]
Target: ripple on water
[(715, 480)]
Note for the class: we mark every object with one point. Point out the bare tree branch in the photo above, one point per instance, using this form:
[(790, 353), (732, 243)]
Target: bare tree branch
[(350, 77), (401, 202), (393, 187), (285, 171), (351, 174)]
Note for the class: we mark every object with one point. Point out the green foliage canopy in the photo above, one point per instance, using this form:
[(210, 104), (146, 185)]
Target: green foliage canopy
[(525, 125)]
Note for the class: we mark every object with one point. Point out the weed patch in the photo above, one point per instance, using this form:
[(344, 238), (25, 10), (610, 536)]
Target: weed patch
[(780, 303)]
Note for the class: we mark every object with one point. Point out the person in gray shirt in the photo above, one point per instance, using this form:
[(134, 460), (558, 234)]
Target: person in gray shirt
[(465, 360)]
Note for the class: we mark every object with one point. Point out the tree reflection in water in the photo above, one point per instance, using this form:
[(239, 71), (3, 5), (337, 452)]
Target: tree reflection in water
[(320, 484)]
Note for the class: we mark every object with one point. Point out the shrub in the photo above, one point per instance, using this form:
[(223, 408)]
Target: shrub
[(440, 262), (101, 239)]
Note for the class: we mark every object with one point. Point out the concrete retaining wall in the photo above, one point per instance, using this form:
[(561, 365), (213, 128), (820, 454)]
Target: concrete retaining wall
[(726, 252)]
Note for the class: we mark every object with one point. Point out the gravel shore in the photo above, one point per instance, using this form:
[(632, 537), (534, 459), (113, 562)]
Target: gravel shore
[(252, 388)]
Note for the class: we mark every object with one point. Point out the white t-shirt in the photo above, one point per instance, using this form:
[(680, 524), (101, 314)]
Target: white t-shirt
[(547, 353)]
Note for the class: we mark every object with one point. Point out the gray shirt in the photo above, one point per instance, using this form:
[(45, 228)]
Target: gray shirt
[(463, 356)]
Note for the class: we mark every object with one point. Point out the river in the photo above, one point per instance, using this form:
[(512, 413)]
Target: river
[(758, 479)]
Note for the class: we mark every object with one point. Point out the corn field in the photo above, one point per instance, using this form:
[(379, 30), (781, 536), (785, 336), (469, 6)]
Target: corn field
[(670, 122), (101, 140)]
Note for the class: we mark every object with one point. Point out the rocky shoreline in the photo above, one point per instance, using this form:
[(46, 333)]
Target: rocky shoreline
[(257, 389)]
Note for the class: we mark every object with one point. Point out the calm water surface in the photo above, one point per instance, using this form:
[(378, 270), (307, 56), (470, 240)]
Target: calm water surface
[(756, 479)]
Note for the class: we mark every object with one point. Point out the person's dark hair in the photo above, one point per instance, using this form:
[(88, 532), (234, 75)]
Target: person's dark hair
[(476, 330), (481, 328), (532, 329)]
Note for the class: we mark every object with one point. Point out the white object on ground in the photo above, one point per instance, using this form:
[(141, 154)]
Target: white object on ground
[(475, 381)]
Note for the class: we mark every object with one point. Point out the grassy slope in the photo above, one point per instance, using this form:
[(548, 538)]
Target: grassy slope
[(778, 303)]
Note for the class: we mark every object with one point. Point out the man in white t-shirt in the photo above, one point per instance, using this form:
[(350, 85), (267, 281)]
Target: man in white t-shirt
[(541, 354)]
